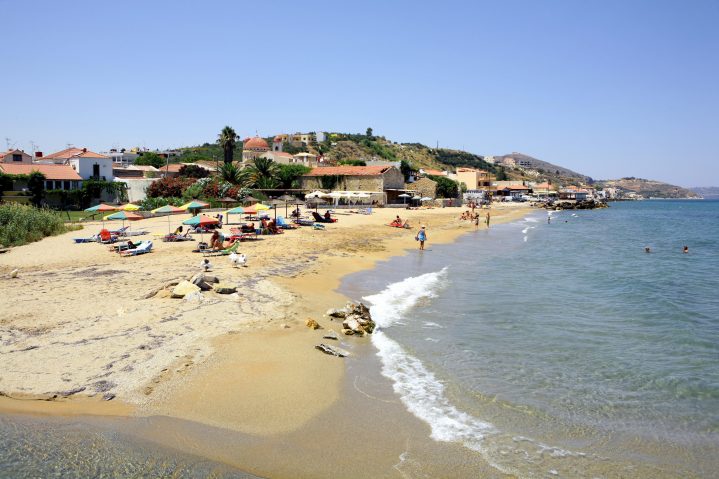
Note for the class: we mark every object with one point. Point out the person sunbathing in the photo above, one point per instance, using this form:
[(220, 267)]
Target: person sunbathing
[(215, 240), (248, 228), (328, 216), (272, 227), (397, 222)]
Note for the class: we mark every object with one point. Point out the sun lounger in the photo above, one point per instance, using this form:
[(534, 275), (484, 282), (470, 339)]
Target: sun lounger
[(107, 237), (321, 219), (120, 232), (135, 233), (171, 238), (221, 252), (142, 248), (304, 222), (282, 223), (318, 226), (91, 239)]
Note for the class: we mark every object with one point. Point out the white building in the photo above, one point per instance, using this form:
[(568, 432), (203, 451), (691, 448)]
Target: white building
[(88, 164)]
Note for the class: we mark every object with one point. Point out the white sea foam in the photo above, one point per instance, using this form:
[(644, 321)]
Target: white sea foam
[(431, 324), (529, 219), (421, 391)]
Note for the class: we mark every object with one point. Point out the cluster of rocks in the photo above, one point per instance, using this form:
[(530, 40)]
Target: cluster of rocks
[(356, 319), (575, 205), (192, 288)]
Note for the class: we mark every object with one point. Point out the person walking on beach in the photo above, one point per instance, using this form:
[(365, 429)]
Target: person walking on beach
[(487, 219), (421, 237)]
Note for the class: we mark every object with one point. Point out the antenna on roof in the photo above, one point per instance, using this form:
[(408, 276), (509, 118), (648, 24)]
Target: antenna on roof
[(32, 147), (7, 142)]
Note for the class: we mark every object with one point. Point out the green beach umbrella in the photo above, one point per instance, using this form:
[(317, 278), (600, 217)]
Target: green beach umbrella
[(124, 216), (234, 211), (168, 210), (201, 221), (101, 208), (194, 205)]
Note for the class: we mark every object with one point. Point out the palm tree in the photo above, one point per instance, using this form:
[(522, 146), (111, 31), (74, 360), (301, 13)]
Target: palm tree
[(231, 173), (264, 172), (227, 140)]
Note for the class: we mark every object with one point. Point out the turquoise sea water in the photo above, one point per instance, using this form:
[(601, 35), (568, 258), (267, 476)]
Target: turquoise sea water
[(562, 348)]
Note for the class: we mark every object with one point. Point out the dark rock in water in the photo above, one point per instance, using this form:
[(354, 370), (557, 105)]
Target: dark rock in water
[(330, 335), (332, 351), (108, 396)]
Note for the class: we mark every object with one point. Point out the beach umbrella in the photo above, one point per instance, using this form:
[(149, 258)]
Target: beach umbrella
[(234, 211), (250, 199), (194, 205), (426, 198), (129, 207), (168, 210), (275, 204), (287, 199), (317, 194), (315, 200), (124, 216), (201, 221), (404, 197), (101, 208)]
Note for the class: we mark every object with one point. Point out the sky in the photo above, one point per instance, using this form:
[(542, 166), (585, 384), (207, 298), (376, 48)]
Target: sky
[(607, 88)]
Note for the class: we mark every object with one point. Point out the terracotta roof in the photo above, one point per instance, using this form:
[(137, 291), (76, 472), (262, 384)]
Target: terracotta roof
[(257, 143), (51, 172), (74, 153), (349, 170), (515, 187), (5, 153), (434, 172), (172, 168), (544, 186), (283, 154)]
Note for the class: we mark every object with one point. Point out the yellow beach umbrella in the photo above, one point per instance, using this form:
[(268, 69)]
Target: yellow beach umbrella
[(129, 207), (260, 207)]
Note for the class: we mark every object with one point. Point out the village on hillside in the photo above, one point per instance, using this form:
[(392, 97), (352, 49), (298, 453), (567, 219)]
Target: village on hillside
[(386, 174)]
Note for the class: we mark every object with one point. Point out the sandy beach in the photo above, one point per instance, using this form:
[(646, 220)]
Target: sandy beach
[(77, 331)]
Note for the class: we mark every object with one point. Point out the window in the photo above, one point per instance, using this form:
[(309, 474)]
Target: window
[(16, 157), (96, 170)]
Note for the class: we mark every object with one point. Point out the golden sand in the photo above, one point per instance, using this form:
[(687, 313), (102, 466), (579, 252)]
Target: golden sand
[(74, 327)]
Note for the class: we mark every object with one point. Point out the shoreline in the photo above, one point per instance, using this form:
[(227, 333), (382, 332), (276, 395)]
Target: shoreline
[(245, 364)]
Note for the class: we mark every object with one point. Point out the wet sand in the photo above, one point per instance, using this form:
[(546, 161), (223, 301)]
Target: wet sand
[(245, 364)]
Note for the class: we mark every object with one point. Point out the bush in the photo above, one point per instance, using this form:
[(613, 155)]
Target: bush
[(149, 204), (166, 187), (446, 188), (21, 224), (193, 171), (151, 159)]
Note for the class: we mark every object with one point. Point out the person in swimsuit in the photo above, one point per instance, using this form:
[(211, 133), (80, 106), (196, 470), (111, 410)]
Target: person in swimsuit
[(421, 237)]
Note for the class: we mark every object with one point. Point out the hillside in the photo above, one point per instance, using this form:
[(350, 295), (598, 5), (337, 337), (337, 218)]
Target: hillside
[(707, 192), (649, 188), (543, 167)]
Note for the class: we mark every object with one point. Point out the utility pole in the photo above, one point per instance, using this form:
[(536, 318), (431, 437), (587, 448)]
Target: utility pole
[(7, 142)]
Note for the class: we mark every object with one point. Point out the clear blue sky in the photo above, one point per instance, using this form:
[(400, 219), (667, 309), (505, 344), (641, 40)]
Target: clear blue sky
[(608, 88)]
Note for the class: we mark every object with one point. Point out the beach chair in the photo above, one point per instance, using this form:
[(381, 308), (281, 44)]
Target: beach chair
[(282, 223), (142, 248), (318, 226), (222, 252), (106, 237), (304, 222), (120, 232), (321, 219)]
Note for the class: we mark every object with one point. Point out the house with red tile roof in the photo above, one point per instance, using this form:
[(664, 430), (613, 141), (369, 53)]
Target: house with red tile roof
[(57, 177), (88, 164), (386, 179), (15, 156)]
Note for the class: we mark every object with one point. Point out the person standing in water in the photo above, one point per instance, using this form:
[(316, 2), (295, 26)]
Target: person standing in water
[(487, 219), (421, 237)]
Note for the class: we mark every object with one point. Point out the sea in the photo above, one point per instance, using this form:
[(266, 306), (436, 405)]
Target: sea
[(556, 346), (552, 346)]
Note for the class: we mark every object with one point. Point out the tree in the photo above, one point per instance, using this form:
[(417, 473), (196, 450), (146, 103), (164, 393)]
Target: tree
[(289, 175), (169, 187), (150, 159), (231, 173), (36, 186), (227, 140), (369, 133), (446, 188), (405, 168), (352, 162), (193, 171), (264, 173), (502, 174)]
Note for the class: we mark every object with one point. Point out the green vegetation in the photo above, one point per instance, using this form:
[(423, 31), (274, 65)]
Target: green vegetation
[(193, 171), (150, 159), (227, 139), (406, 169), (462, 158), (352, 162), (446, 188), (264, 173), (289, 175), (293, 150), (21, 224)]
